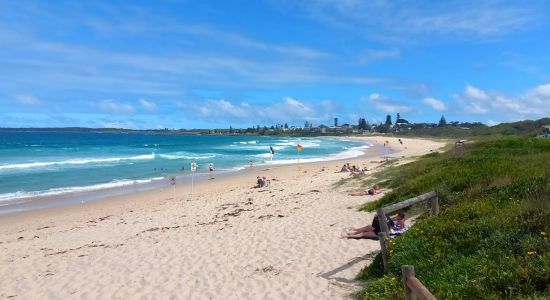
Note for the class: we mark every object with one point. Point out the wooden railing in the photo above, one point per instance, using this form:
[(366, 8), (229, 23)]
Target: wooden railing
[(414, 289), (382, 212)]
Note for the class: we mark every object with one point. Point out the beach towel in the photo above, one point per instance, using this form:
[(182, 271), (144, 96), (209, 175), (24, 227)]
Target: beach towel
[(396, 232)]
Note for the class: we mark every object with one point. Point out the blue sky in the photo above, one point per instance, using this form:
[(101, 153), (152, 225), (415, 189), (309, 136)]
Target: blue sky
[(215, 64)]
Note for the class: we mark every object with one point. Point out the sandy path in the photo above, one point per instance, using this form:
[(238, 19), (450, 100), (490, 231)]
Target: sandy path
[(226, 242)]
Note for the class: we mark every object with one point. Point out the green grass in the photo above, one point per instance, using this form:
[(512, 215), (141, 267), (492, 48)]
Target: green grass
[(490, 240), (526, 128)]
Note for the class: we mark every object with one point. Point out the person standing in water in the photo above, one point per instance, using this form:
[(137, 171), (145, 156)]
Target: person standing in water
[(211, 169)]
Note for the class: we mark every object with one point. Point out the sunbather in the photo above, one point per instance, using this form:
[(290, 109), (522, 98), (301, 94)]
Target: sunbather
[(371, 231), (372, 191)]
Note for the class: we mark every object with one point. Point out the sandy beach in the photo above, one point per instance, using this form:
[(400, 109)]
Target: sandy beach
[(226, 241)]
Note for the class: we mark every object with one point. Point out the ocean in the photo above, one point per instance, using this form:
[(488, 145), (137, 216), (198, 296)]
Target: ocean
[(41, 164)]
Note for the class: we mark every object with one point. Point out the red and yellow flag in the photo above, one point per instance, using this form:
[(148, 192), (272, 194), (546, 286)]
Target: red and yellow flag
[(300, 148)]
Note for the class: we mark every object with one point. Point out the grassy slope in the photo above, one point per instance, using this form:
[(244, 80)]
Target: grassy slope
[(523, 128), (491, 239)]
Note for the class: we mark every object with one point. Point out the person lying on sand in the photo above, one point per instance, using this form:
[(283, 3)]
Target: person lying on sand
[(396, 222), (372, 191)]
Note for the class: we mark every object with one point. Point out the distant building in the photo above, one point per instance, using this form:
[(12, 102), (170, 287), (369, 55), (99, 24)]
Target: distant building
[(401, 123)]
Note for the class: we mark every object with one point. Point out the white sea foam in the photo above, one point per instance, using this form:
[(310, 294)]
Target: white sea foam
[(183, 155), (73, 189), (253, 147), (80, 161), (350, 153), (305, 144)]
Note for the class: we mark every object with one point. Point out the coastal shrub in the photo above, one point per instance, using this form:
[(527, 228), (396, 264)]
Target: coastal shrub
[(490, 240)]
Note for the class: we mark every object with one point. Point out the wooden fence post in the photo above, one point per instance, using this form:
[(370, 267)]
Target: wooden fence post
[(384, 249), (408, 272), (435, 205), (383, 221)]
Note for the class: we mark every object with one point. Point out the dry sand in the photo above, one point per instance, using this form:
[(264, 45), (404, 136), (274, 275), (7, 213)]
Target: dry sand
[(227, 241)]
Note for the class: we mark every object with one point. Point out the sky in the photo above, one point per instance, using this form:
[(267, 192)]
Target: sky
[(214, 64)]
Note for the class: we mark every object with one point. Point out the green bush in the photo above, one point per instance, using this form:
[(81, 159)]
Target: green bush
[(490, 240)]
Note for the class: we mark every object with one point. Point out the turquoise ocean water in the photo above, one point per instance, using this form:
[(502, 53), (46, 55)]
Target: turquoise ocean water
[(35, 164)]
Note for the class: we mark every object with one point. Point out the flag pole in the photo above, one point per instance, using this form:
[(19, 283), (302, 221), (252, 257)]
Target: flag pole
[(193, 169), (299, 148), (298, 157)]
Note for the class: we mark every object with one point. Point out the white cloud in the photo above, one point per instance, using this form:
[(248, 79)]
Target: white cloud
[(540, 93), (384, 104), (118, 124), (148, 105), (399, 19), (532, 104), (372, 55), (492, 123), (293, 109), (286, 110), (111, 106), (434, 103), (224, 107), (475, 93), (27, 99)]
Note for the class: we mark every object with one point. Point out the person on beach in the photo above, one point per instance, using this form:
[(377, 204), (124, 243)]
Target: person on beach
[(401, 142), (361, 171), (396, 222), (260, 182), (372, 191), (344, 168), (210, 170), (266, 182)]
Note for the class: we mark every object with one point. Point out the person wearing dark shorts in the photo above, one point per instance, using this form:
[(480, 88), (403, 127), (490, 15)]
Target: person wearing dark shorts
[(371, 231)]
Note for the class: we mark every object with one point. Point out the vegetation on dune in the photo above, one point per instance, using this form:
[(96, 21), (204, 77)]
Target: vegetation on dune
[(478, 131), (491, 239)]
